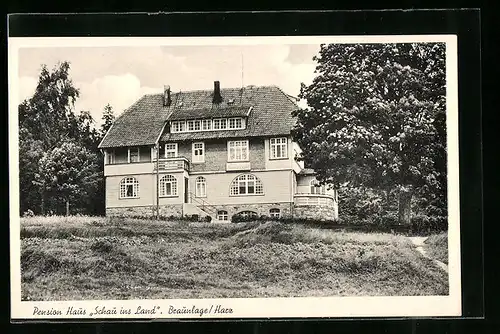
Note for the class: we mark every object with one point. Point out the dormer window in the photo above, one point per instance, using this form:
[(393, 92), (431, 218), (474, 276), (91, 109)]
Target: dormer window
[(235, 123), (195, 125), (178, 126), (206, 124)]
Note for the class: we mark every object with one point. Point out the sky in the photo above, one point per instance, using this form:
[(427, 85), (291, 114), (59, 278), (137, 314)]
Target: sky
[(120, 75)]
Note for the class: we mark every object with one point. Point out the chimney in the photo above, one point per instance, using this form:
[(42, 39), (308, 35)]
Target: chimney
[(167, 100), (217, 98)]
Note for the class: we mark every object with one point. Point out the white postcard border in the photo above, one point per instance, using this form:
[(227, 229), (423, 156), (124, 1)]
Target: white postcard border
[(406, 306)]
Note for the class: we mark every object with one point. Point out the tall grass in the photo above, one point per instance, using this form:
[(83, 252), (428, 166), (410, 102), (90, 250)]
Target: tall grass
[(437, 246), (99, 258)]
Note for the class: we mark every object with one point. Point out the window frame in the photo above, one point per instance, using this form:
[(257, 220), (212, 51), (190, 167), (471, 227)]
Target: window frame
[(244, 181), (276, 145), (193, 150), (319, 189), (247, 145), (224, 214), (276, 213), (166, 151), (123, 187), (172, 180), (205, 122), (200, 180), (177, 126)]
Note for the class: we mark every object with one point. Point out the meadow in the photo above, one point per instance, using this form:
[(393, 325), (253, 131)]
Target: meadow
[(85, 258)]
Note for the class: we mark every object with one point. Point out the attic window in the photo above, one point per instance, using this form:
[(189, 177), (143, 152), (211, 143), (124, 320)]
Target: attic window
[(197, 125)]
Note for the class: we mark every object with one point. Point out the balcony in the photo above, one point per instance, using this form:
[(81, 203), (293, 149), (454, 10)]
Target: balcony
[(170, 164), (314, 200)]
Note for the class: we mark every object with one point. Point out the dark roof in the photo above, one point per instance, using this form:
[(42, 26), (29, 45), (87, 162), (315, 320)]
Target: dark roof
[(142, 123), (307, 171)]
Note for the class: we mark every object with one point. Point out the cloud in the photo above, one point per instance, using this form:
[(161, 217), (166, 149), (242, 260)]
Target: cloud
[(120, 91), (121, 75)]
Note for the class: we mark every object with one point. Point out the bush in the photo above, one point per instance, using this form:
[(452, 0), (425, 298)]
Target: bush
[(208, 219), (388, 219), (28, 213)]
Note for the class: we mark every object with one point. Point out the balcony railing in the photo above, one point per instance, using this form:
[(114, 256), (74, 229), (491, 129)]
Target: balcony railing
[(177, 163), (313, 199)]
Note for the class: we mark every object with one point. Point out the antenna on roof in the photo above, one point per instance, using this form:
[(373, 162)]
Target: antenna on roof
[(241, 70)]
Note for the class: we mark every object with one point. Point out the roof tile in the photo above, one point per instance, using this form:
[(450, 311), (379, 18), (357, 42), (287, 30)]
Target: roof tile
[(142, 123)]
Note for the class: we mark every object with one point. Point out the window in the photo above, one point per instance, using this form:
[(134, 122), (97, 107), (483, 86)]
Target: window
[(235, 123), (217, 124), (316, 188), (133, 154), (222, 215), (197, 125), (246, 184), (129, 188), (206, 124), (223, 123), (278, 148), (171, 150), (168, 186), (274, 213), (201, 187), (238, 150), (178, 126), (199, 152)]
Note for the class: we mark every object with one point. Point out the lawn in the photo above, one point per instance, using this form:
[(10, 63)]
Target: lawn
[(78, 258), (436, 246)]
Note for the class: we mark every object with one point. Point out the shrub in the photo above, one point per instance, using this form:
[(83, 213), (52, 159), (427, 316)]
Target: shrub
[(208, 219), (388, 219), (28, 213)]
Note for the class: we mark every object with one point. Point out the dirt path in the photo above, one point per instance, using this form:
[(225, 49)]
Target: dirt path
[(419, 243)]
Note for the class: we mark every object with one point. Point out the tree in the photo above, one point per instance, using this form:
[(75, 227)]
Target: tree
[(108, 118), (48, 115), (46, 121), (376, 118), (68, 172)]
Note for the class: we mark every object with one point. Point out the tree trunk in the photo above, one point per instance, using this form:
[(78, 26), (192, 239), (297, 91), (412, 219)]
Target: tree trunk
[(67, 207), (405, 196), (42, 205)]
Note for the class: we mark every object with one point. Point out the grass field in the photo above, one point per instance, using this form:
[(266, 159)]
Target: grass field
[(78, 258), (437, 246)]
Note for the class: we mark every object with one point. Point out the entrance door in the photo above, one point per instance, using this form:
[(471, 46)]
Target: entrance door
[(186, 190)]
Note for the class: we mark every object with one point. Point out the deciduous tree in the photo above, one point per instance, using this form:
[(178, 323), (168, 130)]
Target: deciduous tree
[(376, 118), (68, 172)]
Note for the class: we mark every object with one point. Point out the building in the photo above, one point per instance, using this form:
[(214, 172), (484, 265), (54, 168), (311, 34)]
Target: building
[(212, 153)]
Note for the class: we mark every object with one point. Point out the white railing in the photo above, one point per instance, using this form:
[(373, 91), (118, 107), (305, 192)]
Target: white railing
[(313, 200)]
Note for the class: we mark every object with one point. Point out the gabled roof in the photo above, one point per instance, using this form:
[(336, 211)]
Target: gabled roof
[(142, 123)]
